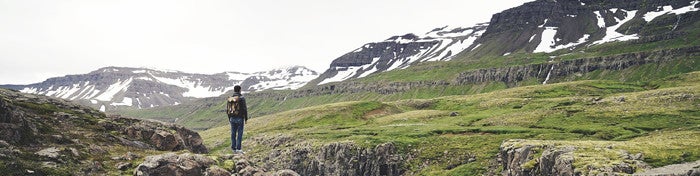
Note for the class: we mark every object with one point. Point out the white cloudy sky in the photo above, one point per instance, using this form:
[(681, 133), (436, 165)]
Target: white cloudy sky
[(47, 38)]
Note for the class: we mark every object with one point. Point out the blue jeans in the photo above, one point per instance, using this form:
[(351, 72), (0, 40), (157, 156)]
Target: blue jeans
[(236, 132)]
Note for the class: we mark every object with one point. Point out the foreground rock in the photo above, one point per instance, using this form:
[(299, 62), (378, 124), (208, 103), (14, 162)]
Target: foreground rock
[(196, 165), (340, 158), (690, 169), (40, 135), (520, 158), (162, 136)]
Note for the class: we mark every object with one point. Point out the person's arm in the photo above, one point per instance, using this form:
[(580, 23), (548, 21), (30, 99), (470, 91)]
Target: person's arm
[(228, 108), (244, 109)]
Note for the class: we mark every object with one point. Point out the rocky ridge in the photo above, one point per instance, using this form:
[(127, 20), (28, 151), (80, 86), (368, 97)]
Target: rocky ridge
[(549, 72), (48, 136), (522, 158), (110, 88)]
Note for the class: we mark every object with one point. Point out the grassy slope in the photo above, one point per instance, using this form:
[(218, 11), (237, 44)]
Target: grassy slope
[(575, 112), (206, 113)]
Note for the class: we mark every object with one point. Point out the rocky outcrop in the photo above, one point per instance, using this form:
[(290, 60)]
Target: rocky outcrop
[(567, 68), (340, 158), (172, 164), (162, 136), (40, 135), (200, 165), (532, 157), (683, 169)]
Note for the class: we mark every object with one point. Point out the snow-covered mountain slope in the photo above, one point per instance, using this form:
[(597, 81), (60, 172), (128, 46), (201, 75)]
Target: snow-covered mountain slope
[(541, 26), (399, 52), (110, 87), (547, 26)]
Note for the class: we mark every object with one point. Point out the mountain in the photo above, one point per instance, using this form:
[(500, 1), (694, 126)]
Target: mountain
[(398, 52), (542, 26), (111, 87), (550, 25)]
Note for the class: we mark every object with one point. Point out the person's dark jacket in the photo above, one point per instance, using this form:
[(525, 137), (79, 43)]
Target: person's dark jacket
[(244, 108)]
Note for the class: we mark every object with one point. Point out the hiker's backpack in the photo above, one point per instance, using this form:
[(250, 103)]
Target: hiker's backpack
[(234, 106)]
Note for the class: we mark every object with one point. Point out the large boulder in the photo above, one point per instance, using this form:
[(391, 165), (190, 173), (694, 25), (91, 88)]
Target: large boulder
[(162, 136), (173, 164), (196, 165)]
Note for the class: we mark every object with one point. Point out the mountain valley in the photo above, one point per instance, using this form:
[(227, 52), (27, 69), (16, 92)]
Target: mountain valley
[(552, 87)]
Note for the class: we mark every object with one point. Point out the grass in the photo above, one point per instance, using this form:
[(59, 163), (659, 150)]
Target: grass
[(582, 113)]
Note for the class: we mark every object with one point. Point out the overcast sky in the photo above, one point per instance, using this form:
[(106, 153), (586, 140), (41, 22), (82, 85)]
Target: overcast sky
[(48, 38)]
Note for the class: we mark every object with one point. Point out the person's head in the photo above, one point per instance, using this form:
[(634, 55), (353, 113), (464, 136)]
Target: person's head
[(237, 88)]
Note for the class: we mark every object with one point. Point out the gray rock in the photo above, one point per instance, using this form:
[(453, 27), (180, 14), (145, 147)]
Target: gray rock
[(172, 164), (286, 173), (123, 166), (343, 158), (51, 152), (164, 140), (216, 171)]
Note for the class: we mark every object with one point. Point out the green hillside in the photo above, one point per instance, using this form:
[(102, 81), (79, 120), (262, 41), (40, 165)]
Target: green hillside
[(660, 119)]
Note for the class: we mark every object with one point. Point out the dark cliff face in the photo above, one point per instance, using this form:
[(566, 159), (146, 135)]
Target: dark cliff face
[(341, 158), (520, 29)]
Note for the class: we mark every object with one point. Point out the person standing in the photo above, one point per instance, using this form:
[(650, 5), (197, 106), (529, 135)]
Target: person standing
[(237, 116)]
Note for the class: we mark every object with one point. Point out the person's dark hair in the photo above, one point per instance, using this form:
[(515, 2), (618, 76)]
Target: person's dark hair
[(237, 88)]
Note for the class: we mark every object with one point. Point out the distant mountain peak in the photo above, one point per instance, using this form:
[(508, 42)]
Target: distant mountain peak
[(112, 87), (399, 52)]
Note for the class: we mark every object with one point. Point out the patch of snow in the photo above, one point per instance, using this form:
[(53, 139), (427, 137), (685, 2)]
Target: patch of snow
[(102, 108), (401, 40), (343, 74), (547, 40), (32, 90), (612, 35), (572, 16), (457, 48), (372, 65), (368, 72), (583, 4), (601, 20), (93, 101), (125, 102), (649, 16), (237, 76), (139, 71), (531, 38), (447, 33), (145, 78), (506, 54), (545, 22), (93, 92), (194, 89), (113, 89), (476, 47), (82, 94)]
